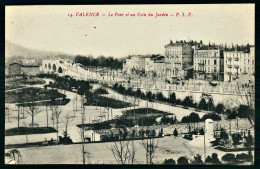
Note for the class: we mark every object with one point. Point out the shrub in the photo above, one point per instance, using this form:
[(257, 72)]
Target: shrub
[(187, 101), (197, 159), (249, 141), (245, 111), (194, 117), (244, 157), (236, 138), (213, 159), (229, 158), (172, 98), (202, 104), (220, 108), (175, 132), (213, 116), (169, 162), (183, 160)]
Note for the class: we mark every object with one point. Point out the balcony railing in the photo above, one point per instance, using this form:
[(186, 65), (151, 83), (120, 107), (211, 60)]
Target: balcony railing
[(201, 64), (236, 66), (229, 73), (229, 58), (229, 66)]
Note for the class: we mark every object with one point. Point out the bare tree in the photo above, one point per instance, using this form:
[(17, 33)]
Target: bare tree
[(150, 145), (7, 112), (14, 153), (66, 120), (123, 151), (32, 109), (246, 91), (57, 112)]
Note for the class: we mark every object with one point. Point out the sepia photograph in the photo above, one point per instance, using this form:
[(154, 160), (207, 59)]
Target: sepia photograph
[(170, 84)]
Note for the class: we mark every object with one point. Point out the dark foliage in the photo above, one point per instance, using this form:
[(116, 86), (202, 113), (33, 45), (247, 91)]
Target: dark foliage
[(229, 158), (183, 161), (100, 61), (169, 162), (213, 116), (175, 132), (220, 108), (29, 130)]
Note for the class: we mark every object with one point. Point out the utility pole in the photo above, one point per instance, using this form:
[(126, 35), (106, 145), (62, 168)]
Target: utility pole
[(83, 130), (205, 144), (47, 114)]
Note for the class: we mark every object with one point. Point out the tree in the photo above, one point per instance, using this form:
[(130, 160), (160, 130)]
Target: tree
[(213, 116), (150, 145), (175, 132), (210, 103), (194, 117), (244, 111), (197, 159), (246, 89), (249, 141), (32, 108), (220, 108), (160, 97), (149, 96), (14, 153), (236, 138), (57, 112), (183, 161), (123, 151), (188, 101), (66, 120), (202, 104), (172, 98), (223, 135)]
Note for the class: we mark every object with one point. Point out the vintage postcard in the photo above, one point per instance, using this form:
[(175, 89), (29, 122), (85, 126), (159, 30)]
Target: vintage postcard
[(130, 84)]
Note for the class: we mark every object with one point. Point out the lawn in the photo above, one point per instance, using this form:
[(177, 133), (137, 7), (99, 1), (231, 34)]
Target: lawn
[(102, 101), (30, 81), (144, 112), (29, 94), (10, 87), (29, 130)]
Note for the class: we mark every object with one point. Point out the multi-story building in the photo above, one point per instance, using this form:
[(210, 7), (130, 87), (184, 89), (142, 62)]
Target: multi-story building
[(134, 63), (178, 58), (208, 63), (16, 69), (239, 62)]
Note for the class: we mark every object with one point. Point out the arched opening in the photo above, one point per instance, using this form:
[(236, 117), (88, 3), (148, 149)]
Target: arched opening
[(45, 66), (49, 66), (60, 70), (54, 67)]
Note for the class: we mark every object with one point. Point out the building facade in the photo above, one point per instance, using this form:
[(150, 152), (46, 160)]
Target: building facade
[(16, 69), (237, 63), (208, 64), (178, 58)]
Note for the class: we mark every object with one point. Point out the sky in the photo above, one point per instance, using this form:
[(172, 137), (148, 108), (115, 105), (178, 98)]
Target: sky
[(50, 28)]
